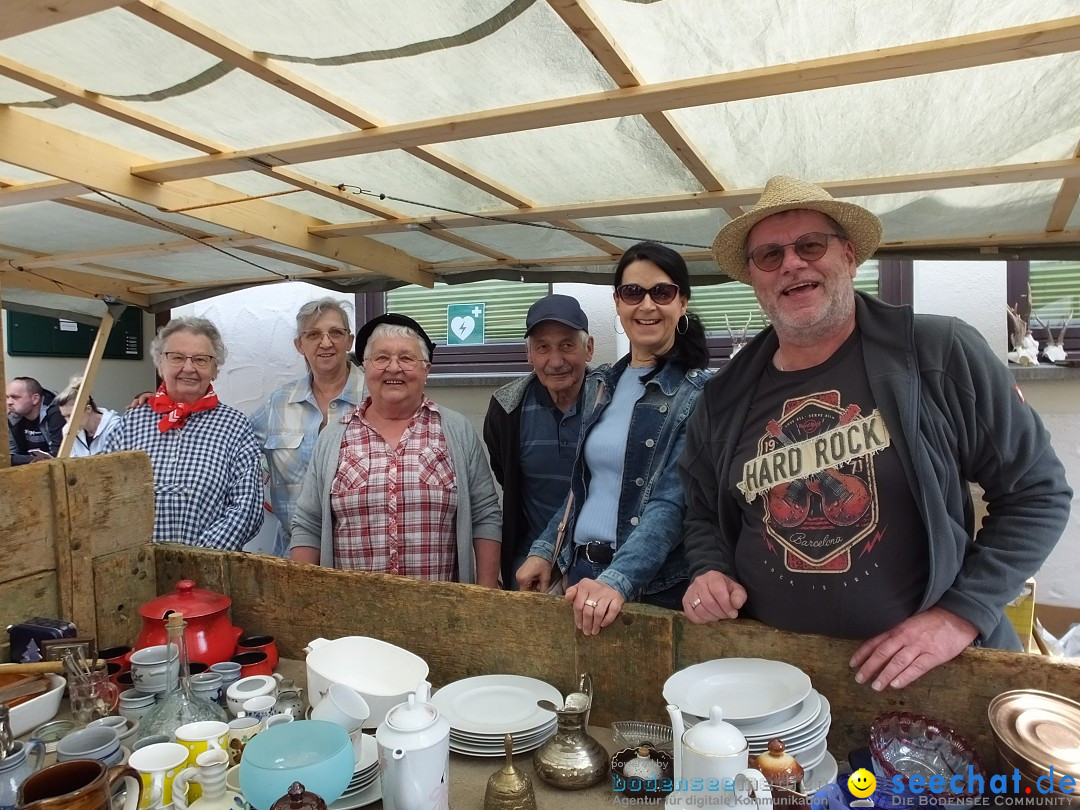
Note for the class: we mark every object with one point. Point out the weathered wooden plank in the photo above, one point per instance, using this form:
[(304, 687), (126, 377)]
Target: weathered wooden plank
[(26, 520), (74, 548), (462, 630), (119, 499), (24, 598), (66, 570), (123, 581)]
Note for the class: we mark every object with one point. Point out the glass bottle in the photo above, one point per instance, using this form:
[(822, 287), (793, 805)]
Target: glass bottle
[(178, 706)]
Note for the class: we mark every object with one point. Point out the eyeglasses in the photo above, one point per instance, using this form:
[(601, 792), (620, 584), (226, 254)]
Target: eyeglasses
[(809, 246), (336, 335), (197, 360), (406, 362), (635, 293)]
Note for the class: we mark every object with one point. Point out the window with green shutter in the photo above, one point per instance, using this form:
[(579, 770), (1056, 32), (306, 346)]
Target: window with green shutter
[(506, 303)]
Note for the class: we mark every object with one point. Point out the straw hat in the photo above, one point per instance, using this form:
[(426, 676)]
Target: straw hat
[(787, 194)]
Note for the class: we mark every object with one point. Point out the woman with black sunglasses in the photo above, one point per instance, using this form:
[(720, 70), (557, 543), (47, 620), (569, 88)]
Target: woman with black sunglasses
[(622, 538)]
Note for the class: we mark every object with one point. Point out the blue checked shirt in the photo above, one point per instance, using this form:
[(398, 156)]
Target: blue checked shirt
[(207, 489), (286, 427)]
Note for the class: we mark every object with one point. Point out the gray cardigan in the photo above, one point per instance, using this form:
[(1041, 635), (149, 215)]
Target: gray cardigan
[(478, 513)]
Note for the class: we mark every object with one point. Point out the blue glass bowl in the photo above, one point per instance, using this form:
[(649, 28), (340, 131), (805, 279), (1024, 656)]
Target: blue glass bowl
[(315, 753)]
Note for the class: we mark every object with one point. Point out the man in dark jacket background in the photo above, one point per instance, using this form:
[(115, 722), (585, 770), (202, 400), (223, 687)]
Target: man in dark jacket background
[(35, 424), (533, 424)]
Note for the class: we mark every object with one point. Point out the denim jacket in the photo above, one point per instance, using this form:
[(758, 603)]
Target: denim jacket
[(648, 549)]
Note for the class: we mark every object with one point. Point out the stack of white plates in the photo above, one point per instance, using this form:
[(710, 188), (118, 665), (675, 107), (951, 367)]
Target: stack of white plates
[(482, 710), (764, 699), (364, 788)]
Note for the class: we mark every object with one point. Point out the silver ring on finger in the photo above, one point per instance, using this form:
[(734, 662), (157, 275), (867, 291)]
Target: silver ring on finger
[(590, 603), (696, 603)]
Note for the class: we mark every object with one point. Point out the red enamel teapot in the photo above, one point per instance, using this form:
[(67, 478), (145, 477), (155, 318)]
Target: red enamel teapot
[(211, 637)]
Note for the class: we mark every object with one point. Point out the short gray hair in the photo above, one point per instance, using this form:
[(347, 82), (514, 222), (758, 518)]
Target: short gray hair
[(196, 326), (313, 310), (393, 330)]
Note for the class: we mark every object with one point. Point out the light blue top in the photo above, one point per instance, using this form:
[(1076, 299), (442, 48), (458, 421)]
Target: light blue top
[(287, 427), (605, 457)]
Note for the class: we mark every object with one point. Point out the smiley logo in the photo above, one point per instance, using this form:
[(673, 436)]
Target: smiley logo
[(861, 783)]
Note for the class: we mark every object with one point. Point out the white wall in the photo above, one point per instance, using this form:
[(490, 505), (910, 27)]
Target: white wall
[(118, 381), (972, 291)]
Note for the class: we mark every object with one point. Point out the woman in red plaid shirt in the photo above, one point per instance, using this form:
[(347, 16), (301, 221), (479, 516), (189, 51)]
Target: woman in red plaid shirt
[(400, 485)]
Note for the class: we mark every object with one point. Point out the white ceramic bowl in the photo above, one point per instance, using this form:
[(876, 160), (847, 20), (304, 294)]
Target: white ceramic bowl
[(247, 688), (382, 673), (31, 714)]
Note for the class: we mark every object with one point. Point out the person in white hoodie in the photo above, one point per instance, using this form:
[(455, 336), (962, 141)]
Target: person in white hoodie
[(97, 422)]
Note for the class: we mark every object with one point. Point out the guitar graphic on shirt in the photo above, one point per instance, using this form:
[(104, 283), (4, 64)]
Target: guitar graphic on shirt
[(844, 498)]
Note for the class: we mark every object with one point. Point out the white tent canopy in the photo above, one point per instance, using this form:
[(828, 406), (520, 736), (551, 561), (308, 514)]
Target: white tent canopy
[(154, 153)]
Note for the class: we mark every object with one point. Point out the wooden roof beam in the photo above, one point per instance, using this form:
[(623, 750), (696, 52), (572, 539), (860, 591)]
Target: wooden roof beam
[(35, 144), (116, 110), (44, 191), (134, 251), (187, 28), (1067, 197), (68, 282), (586, 26), (937, 56), (868, 186)]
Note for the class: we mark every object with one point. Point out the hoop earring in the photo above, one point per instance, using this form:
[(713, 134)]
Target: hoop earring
[(684, 322), (618, 331)]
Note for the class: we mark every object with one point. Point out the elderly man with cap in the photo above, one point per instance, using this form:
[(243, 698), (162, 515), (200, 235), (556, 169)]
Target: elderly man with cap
[(827, 467), (532, 425), (399, 485)]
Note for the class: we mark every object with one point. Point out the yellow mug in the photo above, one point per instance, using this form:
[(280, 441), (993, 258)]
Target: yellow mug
[(158, 765), (197, 738)]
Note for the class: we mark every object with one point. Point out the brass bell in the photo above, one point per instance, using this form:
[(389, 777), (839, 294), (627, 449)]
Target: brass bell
[(508, 788)]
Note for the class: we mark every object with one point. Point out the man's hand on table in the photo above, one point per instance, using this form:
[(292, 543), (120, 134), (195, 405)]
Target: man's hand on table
[(900, 656)]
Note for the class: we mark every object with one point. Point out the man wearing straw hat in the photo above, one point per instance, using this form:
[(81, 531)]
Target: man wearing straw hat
[(827, 465)]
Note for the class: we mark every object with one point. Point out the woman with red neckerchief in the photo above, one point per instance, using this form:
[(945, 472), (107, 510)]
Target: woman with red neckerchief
[(207, 488)]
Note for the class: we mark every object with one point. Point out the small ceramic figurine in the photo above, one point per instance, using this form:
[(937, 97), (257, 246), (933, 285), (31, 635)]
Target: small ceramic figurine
[(779, 767)]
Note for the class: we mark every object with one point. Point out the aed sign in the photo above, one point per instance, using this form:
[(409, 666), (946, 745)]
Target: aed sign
[(464, 324)]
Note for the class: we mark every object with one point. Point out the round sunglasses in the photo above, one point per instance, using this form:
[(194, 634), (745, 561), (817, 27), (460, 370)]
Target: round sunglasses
[(635, 293), (809, 247)]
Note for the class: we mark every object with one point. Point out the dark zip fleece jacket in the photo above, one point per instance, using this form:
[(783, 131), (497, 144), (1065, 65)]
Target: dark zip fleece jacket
[(955, 415)]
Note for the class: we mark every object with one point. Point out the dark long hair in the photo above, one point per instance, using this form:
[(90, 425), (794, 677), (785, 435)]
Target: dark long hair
[(690, 349)]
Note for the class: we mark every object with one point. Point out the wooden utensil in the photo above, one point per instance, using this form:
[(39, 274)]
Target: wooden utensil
[(39, 667)]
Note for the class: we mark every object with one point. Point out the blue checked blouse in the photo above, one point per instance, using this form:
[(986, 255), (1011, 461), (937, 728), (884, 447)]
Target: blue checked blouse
[(207, 488)]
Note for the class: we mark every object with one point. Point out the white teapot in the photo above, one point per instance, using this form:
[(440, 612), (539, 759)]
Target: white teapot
[(414, 755), (712, 758)]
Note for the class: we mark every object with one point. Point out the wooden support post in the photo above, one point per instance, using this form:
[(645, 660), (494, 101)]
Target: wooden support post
[(5, 458), (93, 362)]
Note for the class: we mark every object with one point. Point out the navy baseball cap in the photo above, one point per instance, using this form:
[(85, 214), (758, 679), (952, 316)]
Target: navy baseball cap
[(562, 309)]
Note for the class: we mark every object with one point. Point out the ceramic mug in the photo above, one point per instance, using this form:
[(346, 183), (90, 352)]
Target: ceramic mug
[(198, 738), (158, 765), (82, 784), (342, 706), (154, 668), (206, 685), (277, 720), (92, 742), (260, 707), (241, 730), (259, 644)]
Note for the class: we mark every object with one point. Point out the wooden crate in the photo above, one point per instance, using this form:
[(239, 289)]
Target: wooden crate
[(74, 537)]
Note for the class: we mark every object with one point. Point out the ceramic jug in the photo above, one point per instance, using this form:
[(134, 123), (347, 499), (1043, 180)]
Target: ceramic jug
[(414, 755), (79, 784), (209, 772), (290, 699), (712, 760), (22, 760)]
